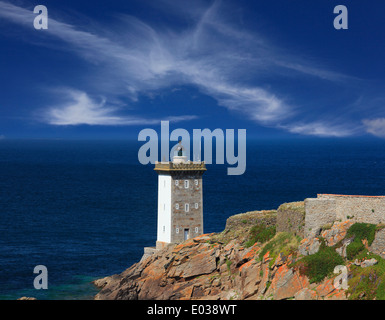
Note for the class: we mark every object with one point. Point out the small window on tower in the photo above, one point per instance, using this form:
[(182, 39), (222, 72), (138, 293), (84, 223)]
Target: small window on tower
[(177, 182), (196, 182), (164, 228), (196, 205), (196, 229), (186, 184), (177, 206), (177, 230), (186, 207)]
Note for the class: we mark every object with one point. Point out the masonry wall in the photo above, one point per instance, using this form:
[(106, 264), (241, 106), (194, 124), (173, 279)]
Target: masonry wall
[(368, 209), (328, 208), (193, 219), (291, 218), (319, 212), (378, 244)]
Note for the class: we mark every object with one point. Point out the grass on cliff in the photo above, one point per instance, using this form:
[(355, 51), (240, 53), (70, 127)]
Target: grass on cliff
[(364, 283), (321, 264), (298, 206), (367, 283), (260, 233), (239, 226), (360, 232), (283, 242)]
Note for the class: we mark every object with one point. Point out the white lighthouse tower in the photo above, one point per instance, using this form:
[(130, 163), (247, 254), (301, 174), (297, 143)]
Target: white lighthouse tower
[(180, 199)]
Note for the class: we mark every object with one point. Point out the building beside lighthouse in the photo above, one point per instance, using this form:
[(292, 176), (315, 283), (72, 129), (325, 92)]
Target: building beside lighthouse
[(180, 200)]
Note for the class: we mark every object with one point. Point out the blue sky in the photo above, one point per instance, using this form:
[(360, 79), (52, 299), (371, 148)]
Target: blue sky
[(108, 69)]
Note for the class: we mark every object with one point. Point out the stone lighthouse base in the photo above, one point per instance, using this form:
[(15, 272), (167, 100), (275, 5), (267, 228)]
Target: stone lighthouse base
[(149, 251)]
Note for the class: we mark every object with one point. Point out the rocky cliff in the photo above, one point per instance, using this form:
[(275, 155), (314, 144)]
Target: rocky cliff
[(256, 258)]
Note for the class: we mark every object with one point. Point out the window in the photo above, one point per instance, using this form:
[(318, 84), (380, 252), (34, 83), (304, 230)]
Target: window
[(186, 207), (177, 230), (177, 206), (196, 205), (196, 229), (196, 182), (164, 228), (177, 182), (186, 184)]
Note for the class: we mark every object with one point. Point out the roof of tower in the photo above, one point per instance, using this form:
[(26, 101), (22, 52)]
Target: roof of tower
[(184, 166)]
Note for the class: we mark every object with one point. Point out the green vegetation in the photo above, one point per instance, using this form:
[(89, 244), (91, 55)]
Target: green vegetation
[(321, 264), (354, 249), (238, 226), (360, 232), (368, 283), (298, 206), (228, 263), (364, 283), (260, 233), (327, 226), (284, 242)]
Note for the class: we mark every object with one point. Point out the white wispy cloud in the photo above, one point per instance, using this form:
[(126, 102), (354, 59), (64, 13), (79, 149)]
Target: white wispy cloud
[(83, 110), (211, 53), (322, 129), (375, 127)]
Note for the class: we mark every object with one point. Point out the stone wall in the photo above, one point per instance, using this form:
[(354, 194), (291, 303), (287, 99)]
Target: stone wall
[(378, 245), (327, 208), (193, 219), (368, 209), (291, 218), (319, 212)]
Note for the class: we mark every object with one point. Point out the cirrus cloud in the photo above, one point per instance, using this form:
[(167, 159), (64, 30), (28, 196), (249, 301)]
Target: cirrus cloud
[(210, 53), (83, 110), (375, 127)]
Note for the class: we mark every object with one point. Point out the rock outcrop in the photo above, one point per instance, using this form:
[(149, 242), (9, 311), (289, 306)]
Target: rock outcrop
[(217, 266), (253, 258), (204, 269)]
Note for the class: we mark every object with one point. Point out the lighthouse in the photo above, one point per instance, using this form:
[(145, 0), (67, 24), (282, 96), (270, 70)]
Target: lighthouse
[(180, 199)]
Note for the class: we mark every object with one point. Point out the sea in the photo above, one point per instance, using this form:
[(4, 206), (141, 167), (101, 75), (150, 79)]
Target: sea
[(86, 209)]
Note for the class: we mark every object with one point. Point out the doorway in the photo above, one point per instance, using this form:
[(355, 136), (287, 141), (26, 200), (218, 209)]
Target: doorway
[(186, 234)]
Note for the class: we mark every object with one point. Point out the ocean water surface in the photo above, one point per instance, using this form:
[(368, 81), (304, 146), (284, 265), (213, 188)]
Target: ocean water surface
[(86, 209)]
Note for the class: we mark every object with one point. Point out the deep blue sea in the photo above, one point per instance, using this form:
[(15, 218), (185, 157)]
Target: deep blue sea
[(86, 209)]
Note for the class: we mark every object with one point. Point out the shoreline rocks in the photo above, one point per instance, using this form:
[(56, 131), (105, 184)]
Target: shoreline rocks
[(216, 266), (227, 265)]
